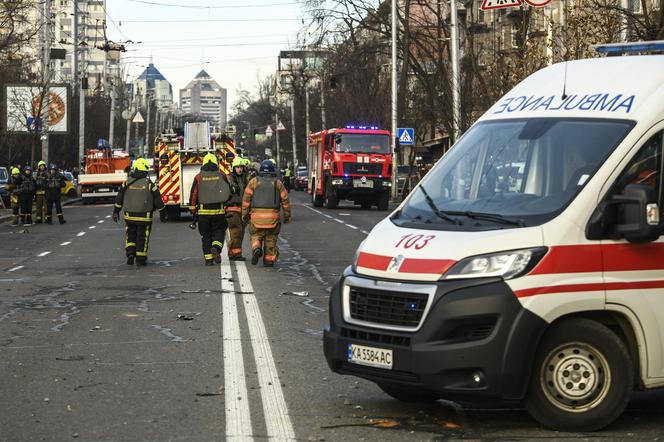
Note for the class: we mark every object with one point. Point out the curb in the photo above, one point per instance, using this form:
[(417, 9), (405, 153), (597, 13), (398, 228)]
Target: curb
[(4, 218)]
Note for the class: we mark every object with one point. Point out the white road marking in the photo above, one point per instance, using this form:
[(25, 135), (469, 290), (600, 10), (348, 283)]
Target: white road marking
[(351, 226), (344, 214), (336, 219), (107, 216), (275, 410), (100, 221), (80, 234), (66, 243), (44, 253), (339, 221), (364, 231), (13, 269), (236, 399), (328, 216), (92, 227)]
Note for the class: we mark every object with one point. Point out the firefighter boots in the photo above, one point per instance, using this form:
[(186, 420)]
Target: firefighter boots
[(256, 256)]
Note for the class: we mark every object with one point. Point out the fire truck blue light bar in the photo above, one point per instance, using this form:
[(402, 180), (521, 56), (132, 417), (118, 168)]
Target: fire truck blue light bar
[(627, 48)]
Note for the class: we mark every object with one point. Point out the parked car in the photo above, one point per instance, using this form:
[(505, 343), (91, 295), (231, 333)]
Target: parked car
[(301, 180), (4, 180)]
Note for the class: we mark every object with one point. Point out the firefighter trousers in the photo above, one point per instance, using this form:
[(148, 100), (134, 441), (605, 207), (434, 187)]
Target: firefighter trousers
[(235, 233), (267, 240), (137, 238), (15, 208), (49, 210), (40, 206), (25, 209), (212, 229)]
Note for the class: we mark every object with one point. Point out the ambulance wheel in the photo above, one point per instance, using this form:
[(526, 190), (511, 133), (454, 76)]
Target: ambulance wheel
[(316, 200), (582, 379), (408, 394), (331, 198), (383, 201)]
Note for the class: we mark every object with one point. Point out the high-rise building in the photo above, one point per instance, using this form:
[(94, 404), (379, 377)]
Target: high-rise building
[(204, 96), (152, 83)]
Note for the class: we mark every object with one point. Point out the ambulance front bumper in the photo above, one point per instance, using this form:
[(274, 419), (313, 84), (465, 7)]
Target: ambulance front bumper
[(472, 340)]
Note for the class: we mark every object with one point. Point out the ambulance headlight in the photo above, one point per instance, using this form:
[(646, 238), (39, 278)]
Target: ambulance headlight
[(507, 265)]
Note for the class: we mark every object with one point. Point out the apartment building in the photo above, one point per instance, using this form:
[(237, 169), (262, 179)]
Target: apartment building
[(204, 96)]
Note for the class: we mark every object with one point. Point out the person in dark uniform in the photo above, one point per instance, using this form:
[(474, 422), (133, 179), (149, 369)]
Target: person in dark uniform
[(14, 187), (236, 227), (139, 198), (209, 192), (53, 186), (40, 199), (26, 196)]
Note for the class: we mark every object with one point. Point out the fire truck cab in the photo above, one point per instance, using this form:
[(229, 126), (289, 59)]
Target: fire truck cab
[(353, 163)]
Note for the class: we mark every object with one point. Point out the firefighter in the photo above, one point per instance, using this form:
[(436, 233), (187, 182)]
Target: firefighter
[(54, 184), (26, 196), (209, 191), (139, 197), (287, 177), (40, 181), (238, 180), (14, 187), (263, 198)]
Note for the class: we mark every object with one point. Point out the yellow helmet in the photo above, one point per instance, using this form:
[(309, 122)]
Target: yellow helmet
[(273, 161), (247, 161), (210, 158), (141, 164), (41, 163), (16, 171), (239, 162)]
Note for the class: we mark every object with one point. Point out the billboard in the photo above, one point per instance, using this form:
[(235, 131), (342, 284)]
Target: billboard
[(26, 111)]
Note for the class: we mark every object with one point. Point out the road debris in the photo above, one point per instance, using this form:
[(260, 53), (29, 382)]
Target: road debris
[(182, 317), (302, 294)]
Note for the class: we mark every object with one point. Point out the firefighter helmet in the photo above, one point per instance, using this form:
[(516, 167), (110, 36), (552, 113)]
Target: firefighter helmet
[(141, 165), (267, 166), (238, 162), (16, 171), (210, 158), (41, 163)]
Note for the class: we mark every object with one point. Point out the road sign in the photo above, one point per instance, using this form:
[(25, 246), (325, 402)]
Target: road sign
[(500, 4), (268, 132), (138, 118), (406, 136), (281, 126)]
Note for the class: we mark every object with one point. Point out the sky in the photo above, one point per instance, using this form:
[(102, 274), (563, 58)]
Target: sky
[(235, 41)]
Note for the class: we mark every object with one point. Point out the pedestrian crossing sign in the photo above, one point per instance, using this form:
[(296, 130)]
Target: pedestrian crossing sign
[(406, 136)]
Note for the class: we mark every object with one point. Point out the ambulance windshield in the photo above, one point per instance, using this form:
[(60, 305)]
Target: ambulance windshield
[(510, 173), (362, 143)]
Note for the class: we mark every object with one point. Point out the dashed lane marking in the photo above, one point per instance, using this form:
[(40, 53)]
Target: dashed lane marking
[(13, 269), (100, 221), (44, 254), (66, 243), (336, 219), (92, 227), (275, 410), (80, 234), (236, 400)]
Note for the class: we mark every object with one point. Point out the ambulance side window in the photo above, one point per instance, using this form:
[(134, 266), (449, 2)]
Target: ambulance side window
[(645, 168)]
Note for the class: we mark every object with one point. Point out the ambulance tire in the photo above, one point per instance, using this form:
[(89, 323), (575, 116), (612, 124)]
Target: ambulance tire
[(571, 352), (331, 198), (316, 200), (408, 394), (383, 201)]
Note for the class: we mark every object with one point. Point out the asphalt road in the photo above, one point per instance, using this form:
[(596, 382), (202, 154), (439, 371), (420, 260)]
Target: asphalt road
[(91, 349)]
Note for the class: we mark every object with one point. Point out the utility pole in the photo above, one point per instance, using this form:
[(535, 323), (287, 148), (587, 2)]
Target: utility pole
[(306, 120), (83, 87), (292, 113), (128, 135), (393, 102), (75, 54), (276, 137), (624, 5), (147, 126), (46, 78), (454, 53), (322, 103), (111, 127)]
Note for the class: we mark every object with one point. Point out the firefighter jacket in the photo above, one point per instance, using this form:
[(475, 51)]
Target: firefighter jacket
[(209, 191), (40, 182), (27, 186), (139, 197), (53, 185), (238, 184), (14, 185), (263, 198)]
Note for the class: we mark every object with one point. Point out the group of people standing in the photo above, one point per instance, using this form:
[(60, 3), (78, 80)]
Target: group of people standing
[(42, 188), (219, 203)]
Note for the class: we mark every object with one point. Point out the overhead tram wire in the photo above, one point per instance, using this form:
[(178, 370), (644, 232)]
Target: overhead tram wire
[(113, 21), (212, 7), (218, 20)]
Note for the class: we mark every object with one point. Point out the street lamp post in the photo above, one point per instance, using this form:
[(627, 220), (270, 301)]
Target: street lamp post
[(393, 66)]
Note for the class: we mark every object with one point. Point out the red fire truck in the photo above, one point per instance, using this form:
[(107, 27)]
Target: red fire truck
[(353, 163)]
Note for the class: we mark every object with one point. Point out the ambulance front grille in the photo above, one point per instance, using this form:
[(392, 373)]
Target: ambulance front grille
[(387, 308)]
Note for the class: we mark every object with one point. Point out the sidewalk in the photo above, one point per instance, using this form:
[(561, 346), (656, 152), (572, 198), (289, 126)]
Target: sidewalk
[(6, 214)]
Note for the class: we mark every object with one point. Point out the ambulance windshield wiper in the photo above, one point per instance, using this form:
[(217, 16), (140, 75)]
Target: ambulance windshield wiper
[(490, 217), (439, 213)]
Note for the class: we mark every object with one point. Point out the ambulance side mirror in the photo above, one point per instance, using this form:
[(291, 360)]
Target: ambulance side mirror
[(632, 215)]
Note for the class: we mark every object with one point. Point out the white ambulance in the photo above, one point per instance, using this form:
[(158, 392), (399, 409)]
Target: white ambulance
[(529, 264)]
